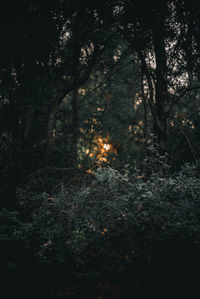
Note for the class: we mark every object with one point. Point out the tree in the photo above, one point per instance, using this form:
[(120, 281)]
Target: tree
[(156, 34), (52, 53), (29, 36)]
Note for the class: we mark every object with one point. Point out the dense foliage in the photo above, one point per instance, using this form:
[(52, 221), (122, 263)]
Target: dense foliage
[(99, 147), (116, 223)]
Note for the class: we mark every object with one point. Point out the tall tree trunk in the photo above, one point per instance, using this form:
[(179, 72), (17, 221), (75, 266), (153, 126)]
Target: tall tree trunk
[(161, 87), (75, 132), (144, 101), (28, 119)]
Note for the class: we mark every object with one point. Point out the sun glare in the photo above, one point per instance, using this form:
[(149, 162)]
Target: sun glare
[(106, 146), (101, 149)]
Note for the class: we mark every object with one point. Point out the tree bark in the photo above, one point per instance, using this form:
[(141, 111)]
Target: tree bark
[(144, 101), (75, 132), (161, 87)]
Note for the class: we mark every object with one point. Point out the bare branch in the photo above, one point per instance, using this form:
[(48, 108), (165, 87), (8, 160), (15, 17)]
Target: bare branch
[(183, 92)]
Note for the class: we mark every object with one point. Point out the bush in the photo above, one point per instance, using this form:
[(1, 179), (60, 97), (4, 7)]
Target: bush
[(116, 219), (119, 223)]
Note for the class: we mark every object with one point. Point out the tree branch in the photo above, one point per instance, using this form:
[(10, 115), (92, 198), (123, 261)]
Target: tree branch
[(145, 70), (182, 94)]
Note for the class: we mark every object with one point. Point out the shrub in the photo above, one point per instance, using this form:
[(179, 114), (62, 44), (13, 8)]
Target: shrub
[(116, 221)]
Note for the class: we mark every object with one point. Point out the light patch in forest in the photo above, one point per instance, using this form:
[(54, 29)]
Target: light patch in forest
[(106, 146), (138, 101), (101, 148), (82, 91)]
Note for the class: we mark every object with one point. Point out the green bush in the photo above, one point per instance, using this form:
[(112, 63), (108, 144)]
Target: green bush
[(115, 222), (144, 232)]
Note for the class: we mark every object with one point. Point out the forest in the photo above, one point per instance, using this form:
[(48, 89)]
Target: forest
[(100, 149)]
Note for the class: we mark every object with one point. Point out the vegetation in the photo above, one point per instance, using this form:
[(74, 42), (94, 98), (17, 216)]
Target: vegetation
[(99, 149)]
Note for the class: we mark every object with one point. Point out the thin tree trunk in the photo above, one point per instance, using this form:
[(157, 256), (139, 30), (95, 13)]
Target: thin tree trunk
[(50, 130), (144, 101), (75, 133), (28, 123), (161, 88)]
